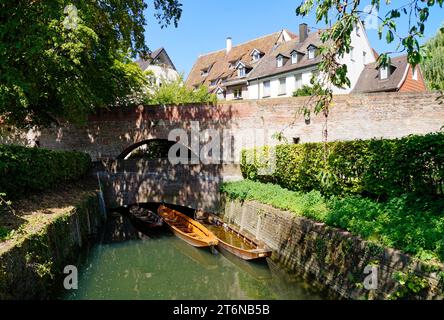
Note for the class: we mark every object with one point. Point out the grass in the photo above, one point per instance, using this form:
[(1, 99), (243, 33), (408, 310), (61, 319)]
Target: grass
[(29, 214), (4, 233), (411, 224)]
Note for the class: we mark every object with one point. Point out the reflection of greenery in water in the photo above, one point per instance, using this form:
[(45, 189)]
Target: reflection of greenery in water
[(229, 237), (166, 268), (255, 289)]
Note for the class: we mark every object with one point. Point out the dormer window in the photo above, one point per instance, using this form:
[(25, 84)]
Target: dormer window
[(281, 60), (312, 52), (256, 55), (204, 72), (242, 69), (213, 83)]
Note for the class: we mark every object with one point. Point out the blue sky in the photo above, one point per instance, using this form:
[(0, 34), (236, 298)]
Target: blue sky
[(205, 24)]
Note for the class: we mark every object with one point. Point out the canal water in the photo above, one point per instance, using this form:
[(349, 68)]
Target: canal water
[(128, 265)]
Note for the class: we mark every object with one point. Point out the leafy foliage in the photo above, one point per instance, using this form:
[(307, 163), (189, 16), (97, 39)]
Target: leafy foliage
[(61, 61), (379, 168), (343, 16), (27, 170), (409, 284), (4, 233), (305, 91), (433, 66), (176, 93), (406, 222)]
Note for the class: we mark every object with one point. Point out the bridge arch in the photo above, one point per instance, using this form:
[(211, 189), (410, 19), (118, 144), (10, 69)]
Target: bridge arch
[(152, 149)]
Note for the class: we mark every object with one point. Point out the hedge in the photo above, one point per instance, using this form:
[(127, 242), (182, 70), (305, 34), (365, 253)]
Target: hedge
[(378, 168), (27, 170)]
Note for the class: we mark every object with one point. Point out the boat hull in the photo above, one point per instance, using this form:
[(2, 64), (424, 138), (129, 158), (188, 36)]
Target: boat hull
[(191, 241), (187, 229), (244, 254), (257, 252)]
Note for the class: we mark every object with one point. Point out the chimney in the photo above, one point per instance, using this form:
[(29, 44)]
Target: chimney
[(303, 32), (229, 44)]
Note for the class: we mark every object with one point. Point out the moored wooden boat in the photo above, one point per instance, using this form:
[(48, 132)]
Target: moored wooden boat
[(145, 218), (235, 242), (187, 229)]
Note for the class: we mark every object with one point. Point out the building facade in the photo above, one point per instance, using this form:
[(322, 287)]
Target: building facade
[(277, 65), (160, 66)]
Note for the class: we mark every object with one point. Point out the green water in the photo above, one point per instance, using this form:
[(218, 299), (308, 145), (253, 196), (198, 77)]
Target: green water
[(167, 268)]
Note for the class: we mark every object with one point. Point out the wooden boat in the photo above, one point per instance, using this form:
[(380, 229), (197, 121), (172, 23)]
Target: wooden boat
[(187, 229), (145, 218), (235, 242)]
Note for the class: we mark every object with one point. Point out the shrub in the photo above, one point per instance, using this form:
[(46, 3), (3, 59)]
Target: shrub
[(177, 93), (379, 168), (27, 170), (305, 91)]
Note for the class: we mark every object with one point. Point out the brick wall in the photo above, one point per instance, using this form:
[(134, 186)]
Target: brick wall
[(328, 255), (388, 115)]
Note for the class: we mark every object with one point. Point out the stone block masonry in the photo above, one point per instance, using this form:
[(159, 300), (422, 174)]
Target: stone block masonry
[(333, 257)]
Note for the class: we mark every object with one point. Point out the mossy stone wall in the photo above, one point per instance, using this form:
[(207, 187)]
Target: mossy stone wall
[(32, 268), (333, 257)]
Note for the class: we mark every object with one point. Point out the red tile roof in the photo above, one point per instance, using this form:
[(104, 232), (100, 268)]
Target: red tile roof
[(219, 61)]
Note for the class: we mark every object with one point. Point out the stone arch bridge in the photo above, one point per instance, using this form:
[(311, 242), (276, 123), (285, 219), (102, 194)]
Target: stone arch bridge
[(109, 136)]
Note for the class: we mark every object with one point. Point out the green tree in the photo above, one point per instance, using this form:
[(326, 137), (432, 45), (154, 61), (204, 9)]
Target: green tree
[(343, 16), (176, 93), (433, 66), (61, 59)]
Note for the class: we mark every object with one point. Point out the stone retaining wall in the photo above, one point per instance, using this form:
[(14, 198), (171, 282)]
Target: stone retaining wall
[(334, 257), (32, 267)]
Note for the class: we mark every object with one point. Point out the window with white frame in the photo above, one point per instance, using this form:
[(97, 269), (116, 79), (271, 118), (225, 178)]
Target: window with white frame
[(415, 73), (280, 61), (256, 56), (204, 72), (311, 52), (294, 57), (241, 72), (282, 86), (298, 81), (266, 89), (352, 53)]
